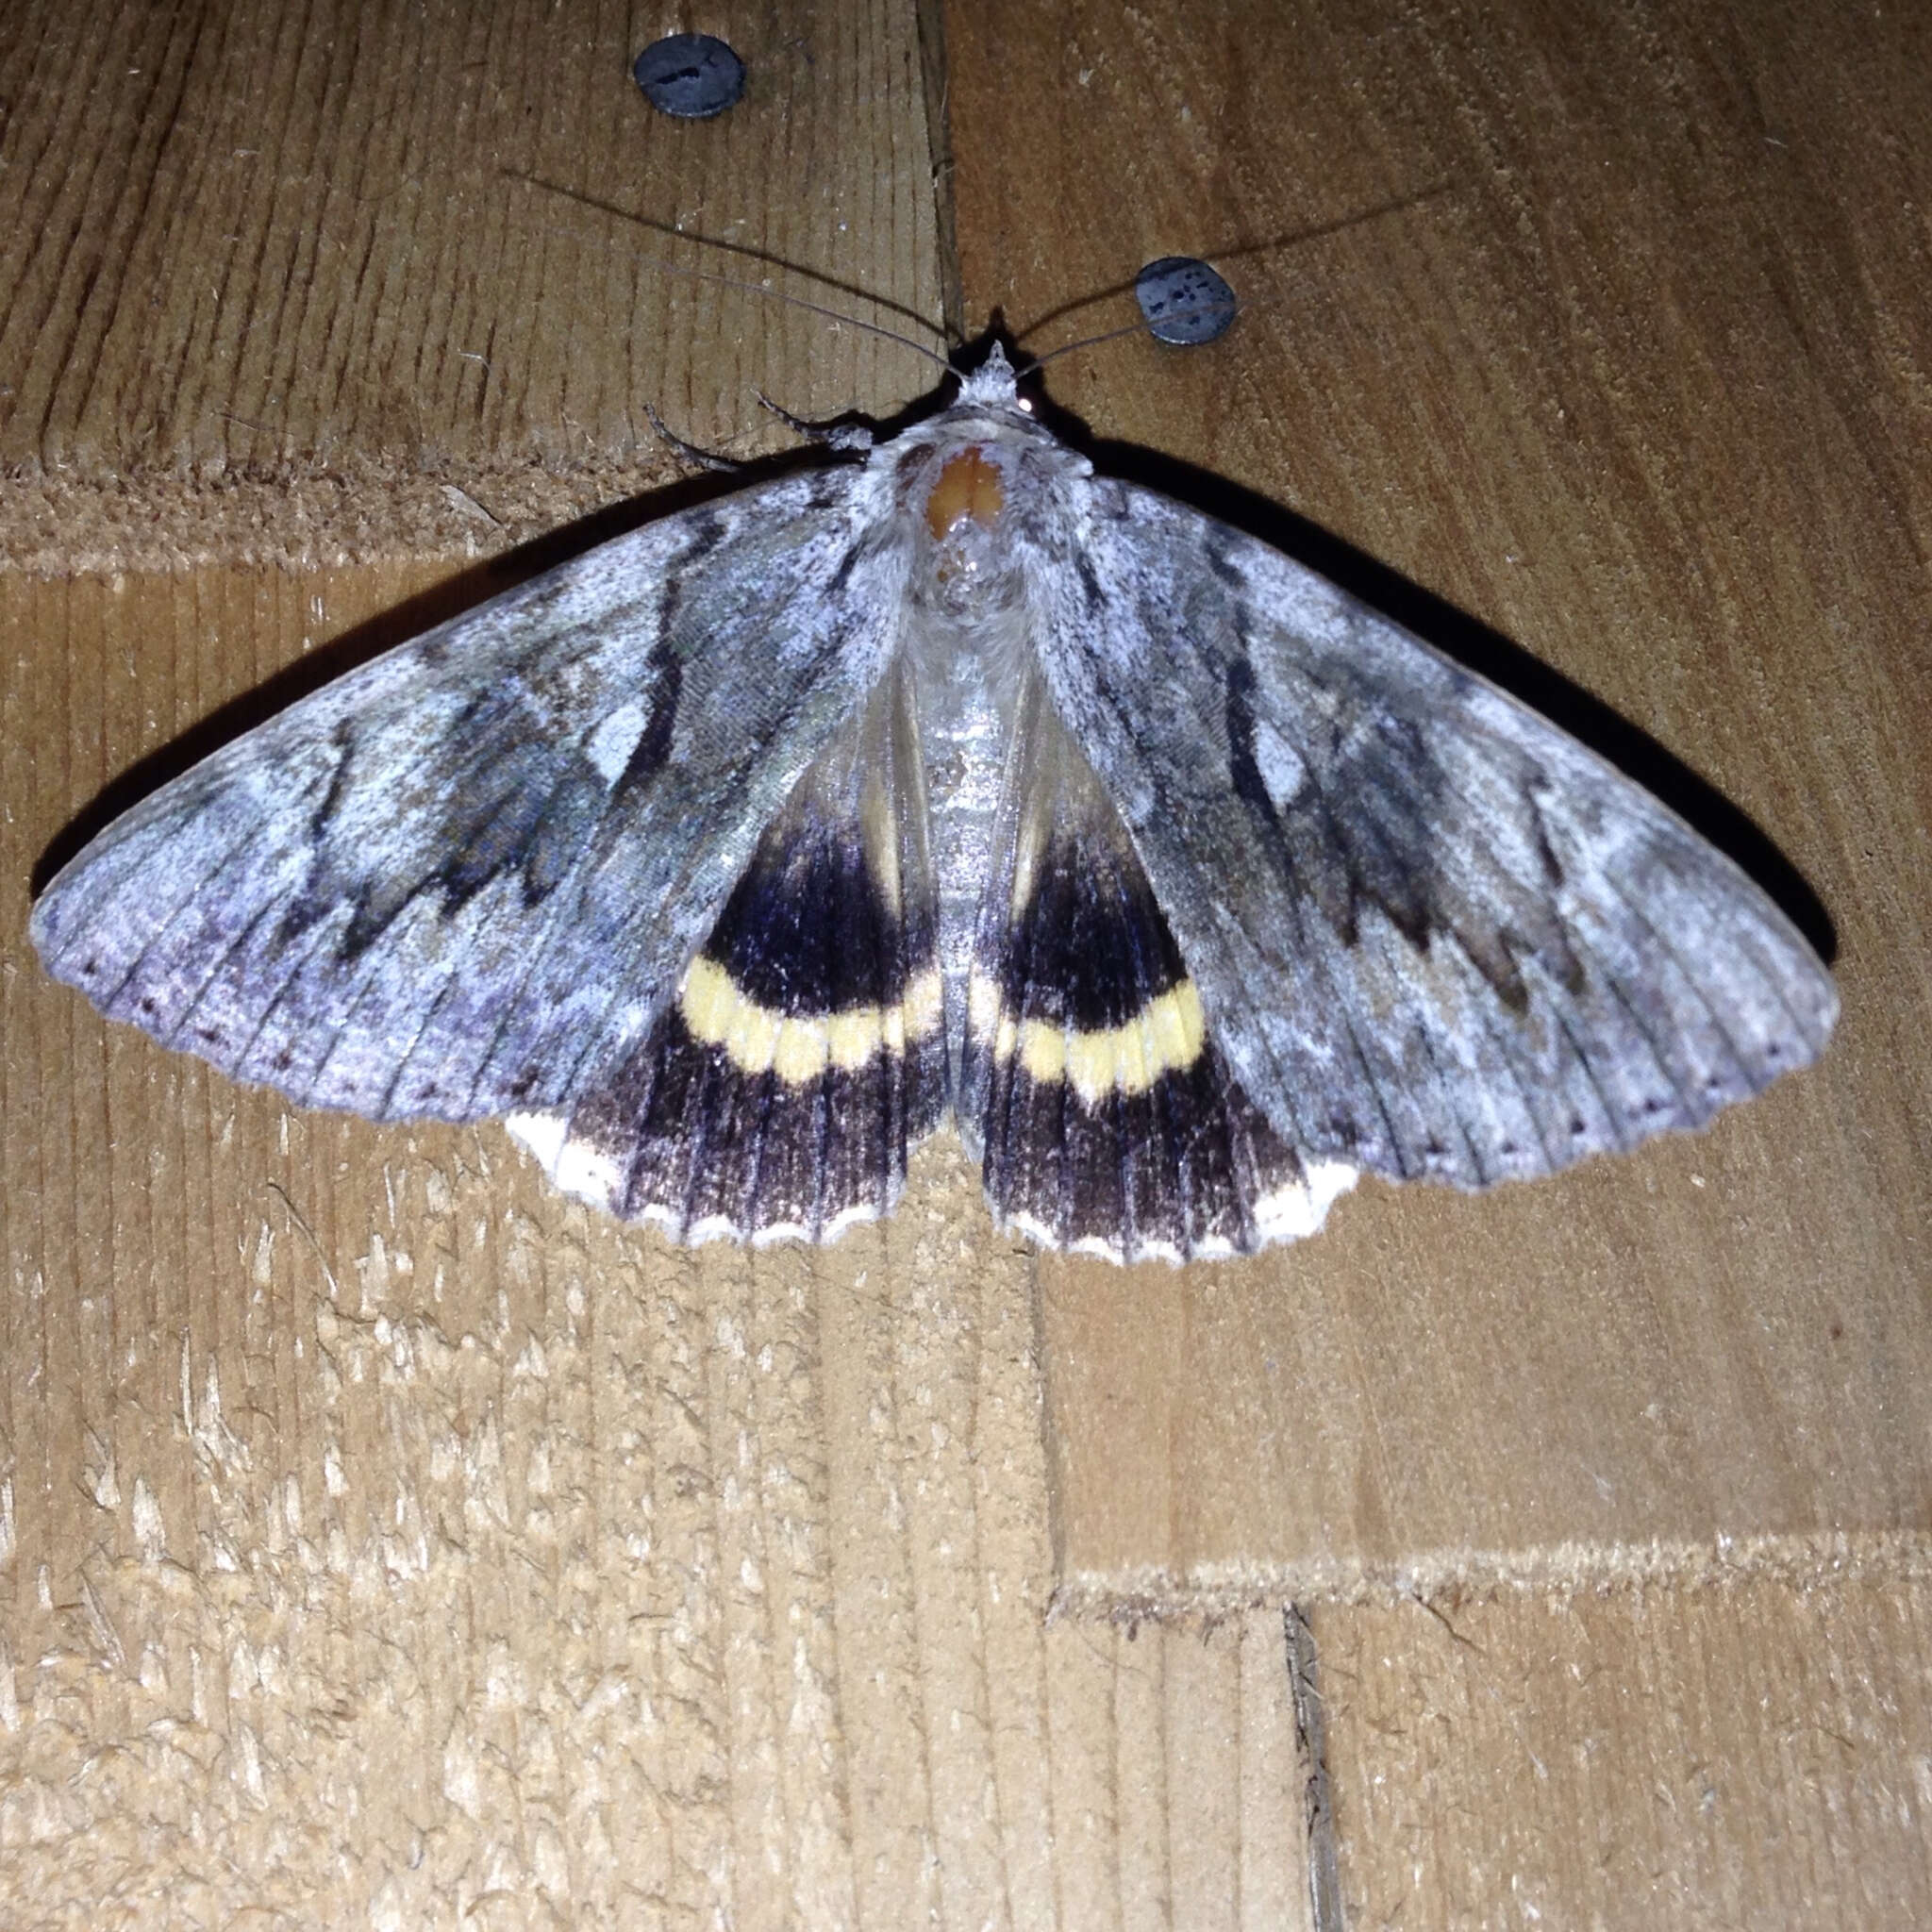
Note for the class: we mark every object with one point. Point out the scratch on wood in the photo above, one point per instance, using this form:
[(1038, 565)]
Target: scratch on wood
[(1312, 1743)]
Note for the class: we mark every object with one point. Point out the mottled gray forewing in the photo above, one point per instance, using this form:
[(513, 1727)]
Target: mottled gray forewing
[(1432, 934), (465, 877)]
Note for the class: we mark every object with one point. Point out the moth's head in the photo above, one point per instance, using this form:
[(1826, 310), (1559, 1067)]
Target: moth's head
[(994, 384), (993, 374)]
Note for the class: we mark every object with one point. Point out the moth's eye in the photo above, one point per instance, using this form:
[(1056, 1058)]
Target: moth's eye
[(1025, 404), (969, 490)]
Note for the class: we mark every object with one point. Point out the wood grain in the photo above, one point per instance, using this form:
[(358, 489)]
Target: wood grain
[(380, 1538), (291, 236), (1742, 1754), (1592, 345), (383, 1539)]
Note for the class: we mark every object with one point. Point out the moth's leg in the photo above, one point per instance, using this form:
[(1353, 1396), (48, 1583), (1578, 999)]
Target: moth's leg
[(703, 458), (853, 438)]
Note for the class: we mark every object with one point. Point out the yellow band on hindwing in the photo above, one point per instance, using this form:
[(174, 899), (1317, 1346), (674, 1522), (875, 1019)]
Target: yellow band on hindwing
[(1166, 1036), (798, 1047)]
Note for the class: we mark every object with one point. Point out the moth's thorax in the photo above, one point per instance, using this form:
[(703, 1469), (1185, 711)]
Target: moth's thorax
[(973, 486), (961, 504)]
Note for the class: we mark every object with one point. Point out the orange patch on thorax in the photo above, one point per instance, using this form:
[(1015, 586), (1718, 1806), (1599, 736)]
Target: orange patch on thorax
[(969, 489)]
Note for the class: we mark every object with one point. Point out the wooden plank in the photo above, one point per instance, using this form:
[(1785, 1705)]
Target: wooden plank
[(381, 1537), (1553, 320), (286, 264), (381, 1534), (290, 235), (1744, 1755)]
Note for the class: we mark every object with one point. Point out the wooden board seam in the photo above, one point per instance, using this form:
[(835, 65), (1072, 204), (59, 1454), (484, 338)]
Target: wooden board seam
[(1210, 1592)]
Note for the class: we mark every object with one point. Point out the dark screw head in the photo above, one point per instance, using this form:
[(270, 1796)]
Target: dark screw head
[(692, 75), (1184, 300)]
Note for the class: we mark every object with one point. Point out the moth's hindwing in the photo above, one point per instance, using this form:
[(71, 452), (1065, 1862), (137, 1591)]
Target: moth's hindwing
[(1106, 1119), (779, 1093), (464, 878), (1433, 936)]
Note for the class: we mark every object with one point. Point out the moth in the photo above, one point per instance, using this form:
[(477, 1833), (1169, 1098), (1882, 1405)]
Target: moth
[(947, 778)]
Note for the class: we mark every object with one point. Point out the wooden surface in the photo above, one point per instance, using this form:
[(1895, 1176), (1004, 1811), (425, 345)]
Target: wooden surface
[(1747, 1755), (382, 1538), (1607, 342)]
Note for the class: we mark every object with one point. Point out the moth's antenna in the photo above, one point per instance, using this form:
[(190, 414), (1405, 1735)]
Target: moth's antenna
[(746, 287), (1146, 327), (1222, 300), (870, 328)]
